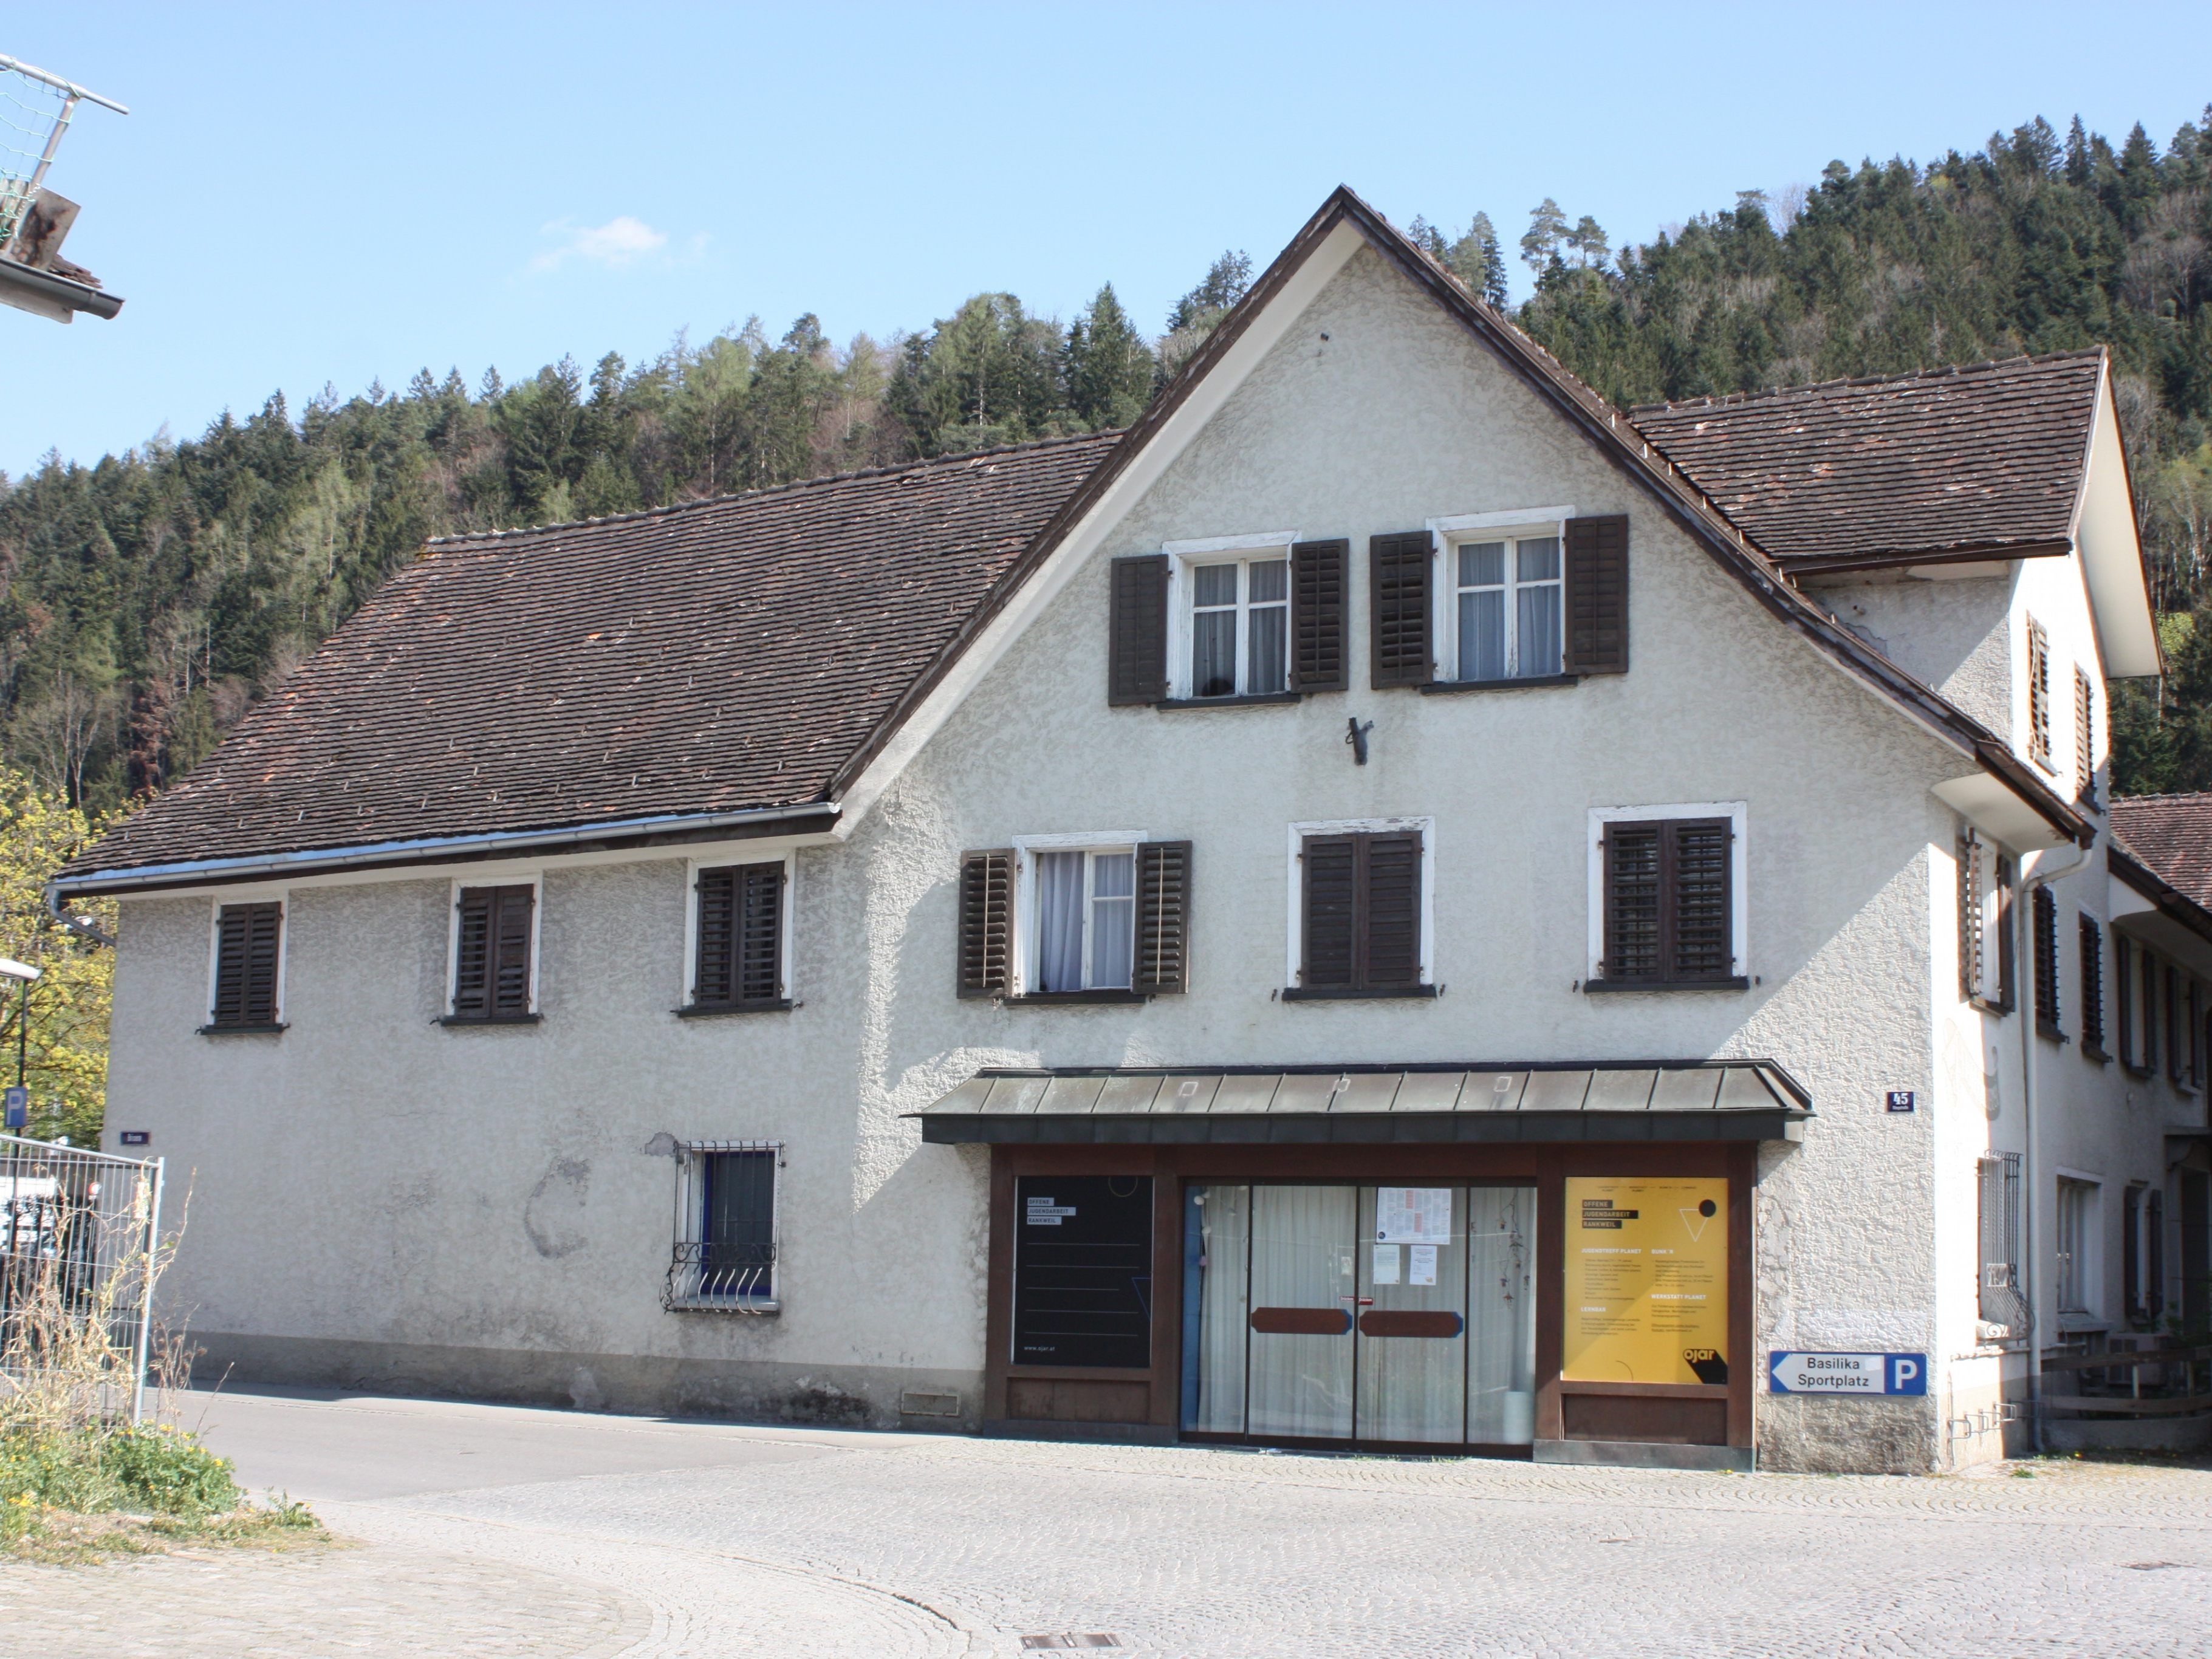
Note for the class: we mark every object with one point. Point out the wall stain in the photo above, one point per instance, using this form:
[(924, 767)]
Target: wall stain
[(553, 1216)]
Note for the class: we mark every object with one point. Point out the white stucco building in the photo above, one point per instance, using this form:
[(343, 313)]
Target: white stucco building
[(1392, 904)]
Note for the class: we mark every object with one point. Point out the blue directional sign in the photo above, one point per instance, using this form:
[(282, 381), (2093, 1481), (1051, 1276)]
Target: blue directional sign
[(18, 1106), (1847, 1373)]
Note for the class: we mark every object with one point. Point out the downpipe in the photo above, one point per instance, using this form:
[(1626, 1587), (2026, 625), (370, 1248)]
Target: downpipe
[(2031, 1201)]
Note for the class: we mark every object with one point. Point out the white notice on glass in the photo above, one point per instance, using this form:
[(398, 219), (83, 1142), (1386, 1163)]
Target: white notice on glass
[(1386, 1264), (1423, 1266), (1414, 1215)]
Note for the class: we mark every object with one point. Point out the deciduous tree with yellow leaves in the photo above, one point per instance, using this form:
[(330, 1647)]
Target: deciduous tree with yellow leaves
[(64, 1046)]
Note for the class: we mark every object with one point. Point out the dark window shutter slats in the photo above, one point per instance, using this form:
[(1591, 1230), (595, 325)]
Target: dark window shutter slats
[(491, 953), (1320, 610), (1398, 608), (2092, 983), (1392, 929), (1330, 927), (2085, 733), (2004, 879), (511, 953), (987, 915), (740, 936), (247, 941), (2045, 918), (2039, 694), (1969, 917), (760, 933), (1632, 902), (1163, 961), (1596, 599), (714, 982), (1137, 631), (1703, 946)]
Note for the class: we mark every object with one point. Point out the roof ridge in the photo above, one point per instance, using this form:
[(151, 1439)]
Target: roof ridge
[(951, 458), (1947, 371), (2164, 795)]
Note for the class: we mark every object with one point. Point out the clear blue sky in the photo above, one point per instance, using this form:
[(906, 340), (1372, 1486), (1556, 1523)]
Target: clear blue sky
[(312, 193)]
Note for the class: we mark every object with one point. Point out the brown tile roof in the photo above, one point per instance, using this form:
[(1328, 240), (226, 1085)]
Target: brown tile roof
[(1987, 456), (2170, 836), (710, 657)]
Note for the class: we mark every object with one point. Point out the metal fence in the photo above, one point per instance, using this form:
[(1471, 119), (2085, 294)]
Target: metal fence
[(80, 1237)]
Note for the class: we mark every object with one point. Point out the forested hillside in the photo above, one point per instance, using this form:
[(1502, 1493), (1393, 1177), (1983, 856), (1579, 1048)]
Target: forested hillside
[(151, 598)]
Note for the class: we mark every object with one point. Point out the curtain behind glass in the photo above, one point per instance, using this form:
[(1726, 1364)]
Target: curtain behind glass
[(1303, 1245), (1537, 626), (1413, 1387), (1225, 1223), (1501, 1349), (1266, 657), (1060, 921), (1214, 632), (1113, 917), (1482, 614)]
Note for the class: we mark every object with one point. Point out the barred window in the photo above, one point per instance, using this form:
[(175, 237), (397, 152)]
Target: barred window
[(2001, 1303), (725, 1256)]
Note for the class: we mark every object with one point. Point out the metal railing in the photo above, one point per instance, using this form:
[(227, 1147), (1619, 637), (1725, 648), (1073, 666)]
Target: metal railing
[(721, 1278), (2121, 1391), (80, 1234)]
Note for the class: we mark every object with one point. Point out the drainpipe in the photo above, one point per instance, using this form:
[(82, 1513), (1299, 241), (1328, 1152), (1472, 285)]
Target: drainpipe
[(2030, 1205)]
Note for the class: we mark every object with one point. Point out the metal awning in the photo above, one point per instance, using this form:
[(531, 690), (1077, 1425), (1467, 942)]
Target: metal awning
[(1656, 1100)]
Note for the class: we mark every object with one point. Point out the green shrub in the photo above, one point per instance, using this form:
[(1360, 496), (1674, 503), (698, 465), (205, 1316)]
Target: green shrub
[(168, 1471), (60, 1471)]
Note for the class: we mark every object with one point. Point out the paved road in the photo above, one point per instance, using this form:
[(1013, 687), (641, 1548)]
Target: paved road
[(488, 1530)]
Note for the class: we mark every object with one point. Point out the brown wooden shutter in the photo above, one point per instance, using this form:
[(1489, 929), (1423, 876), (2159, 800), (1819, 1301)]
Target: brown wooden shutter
[(2045, 918), (1137, 649), (1320, 608), (1633, 901), (2124, 996), (1969, 917), (491, 955), (1398, 608), (760, 932), (2092, 983), (987, 922), (2085, 733), (247, 943), (1596, 597), (714, 979), (1701, 943), (2039, 694), (1390, 929), (740, 958), (1330, 928), (1163, 960)]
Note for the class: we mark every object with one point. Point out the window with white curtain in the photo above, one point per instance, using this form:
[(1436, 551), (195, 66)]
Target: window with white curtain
[(1507, 608), (1085, 905), (1239, 626)]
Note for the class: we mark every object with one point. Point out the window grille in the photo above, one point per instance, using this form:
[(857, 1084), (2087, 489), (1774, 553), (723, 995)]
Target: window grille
[(725, 1256), (2002, 1302)]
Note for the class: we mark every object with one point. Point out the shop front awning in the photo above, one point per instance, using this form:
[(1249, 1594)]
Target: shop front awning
[(1290, 1105)]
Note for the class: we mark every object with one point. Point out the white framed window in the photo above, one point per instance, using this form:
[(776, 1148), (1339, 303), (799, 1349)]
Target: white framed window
[(492, 950), (1355, 932), (1228, 611), (728, 1228), (1075, 912), (1501, 592), (2079, 1263), (1669, 897), (246, 961), (738, 931)]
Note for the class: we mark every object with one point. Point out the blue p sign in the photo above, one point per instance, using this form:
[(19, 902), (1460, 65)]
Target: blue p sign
[(18, 1100), (1908, 1374)]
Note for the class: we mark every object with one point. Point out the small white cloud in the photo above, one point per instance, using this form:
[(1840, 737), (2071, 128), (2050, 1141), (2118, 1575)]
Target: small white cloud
[(618, 243)]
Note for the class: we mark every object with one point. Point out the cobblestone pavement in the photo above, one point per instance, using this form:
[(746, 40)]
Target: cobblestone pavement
[(488, 1530)]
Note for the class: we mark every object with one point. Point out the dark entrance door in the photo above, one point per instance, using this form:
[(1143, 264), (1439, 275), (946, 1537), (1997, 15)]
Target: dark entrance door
[(1083, 1270)]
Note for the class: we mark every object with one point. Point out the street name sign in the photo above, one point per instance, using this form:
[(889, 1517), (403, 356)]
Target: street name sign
[(1847, 1373)]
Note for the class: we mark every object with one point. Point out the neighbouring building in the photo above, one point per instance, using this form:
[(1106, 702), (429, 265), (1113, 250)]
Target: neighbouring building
[(1392, 904)]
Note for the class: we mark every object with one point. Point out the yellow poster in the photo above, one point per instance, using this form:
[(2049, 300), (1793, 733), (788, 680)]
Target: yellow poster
[(1646, 1281)]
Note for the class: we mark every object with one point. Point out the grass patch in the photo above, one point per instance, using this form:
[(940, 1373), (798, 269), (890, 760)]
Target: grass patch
[(99, 1492)]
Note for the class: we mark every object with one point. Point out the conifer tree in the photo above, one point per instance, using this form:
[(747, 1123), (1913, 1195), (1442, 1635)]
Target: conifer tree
[(1109, 369)]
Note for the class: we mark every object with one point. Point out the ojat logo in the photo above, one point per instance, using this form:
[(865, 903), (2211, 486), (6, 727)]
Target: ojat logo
[(1707, 1363)]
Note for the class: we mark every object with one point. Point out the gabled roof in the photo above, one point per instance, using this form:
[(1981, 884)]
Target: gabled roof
[(1987, 460), (717, 658), (2170, 837), (787, 649)]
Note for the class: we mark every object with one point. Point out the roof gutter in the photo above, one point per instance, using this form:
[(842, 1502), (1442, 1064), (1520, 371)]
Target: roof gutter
[(2170, 899), (425, 850)]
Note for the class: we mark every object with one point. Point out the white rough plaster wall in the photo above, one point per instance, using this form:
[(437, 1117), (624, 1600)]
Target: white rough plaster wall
[(371, 1174), (1953, 634)]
